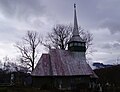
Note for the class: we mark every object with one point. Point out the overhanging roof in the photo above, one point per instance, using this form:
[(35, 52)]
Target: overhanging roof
[(62, 63)]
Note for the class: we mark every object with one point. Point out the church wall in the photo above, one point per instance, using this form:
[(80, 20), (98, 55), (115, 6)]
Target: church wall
[(61, 82)]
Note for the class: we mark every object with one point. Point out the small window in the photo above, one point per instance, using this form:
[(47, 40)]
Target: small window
[(75, 44), (71, 44), (83, 44), (79, 44)]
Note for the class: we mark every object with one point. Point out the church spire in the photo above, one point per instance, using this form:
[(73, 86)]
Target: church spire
[(75, 30), (76, 43)]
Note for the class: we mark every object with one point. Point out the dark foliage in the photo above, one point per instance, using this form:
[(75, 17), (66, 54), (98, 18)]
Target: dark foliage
[(19, 79), (109, 76)]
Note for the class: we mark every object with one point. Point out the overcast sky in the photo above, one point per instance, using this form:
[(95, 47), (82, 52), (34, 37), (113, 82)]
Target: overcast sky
[(100, 17)]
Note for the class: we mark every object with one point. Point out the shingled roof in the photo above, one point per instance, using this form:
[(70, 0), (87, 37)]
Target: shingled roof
[(62, 63)]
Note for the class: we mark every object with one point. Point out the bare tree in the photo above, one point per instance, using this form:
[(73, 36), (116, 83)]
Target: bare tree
[(86, 36), (9, 65), (28, 48), (61, 34)]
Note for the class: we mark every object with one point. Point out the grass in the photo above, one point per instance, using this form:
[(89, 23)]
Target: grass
[(27, 89), (3, 89), (30, 89), (19, 89)]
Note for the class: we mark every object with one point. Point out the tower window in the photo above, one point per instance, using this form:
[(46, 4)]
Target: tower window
[(71, 44), (79, 44), (83, 44), (75, 44)]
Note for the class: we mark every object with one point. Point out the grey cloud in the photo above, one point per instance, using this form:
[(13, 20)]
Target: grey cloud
[(109, 15), (21, 8), (112, 25), (107, 46), (8, 33), (112, 61), (92, 50), (113, 45), (116, 45)]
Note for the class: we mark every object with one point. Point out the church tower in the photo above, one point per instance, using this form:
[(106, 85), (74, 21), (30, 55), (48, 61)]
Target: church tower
[(76, 43)]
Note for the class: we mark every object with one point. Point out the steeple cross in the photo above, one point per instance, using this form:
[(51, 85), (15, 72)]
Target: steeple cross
[(74, 5)]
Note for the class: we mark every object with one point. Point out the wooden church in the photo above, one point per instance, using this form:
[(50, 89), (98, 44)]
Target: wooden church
[(65, 69)]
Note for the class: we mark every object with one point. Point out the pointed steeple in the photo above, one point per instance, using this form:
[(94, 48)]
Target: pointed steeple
[(76, 43), (75, 30), (75, 33)]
